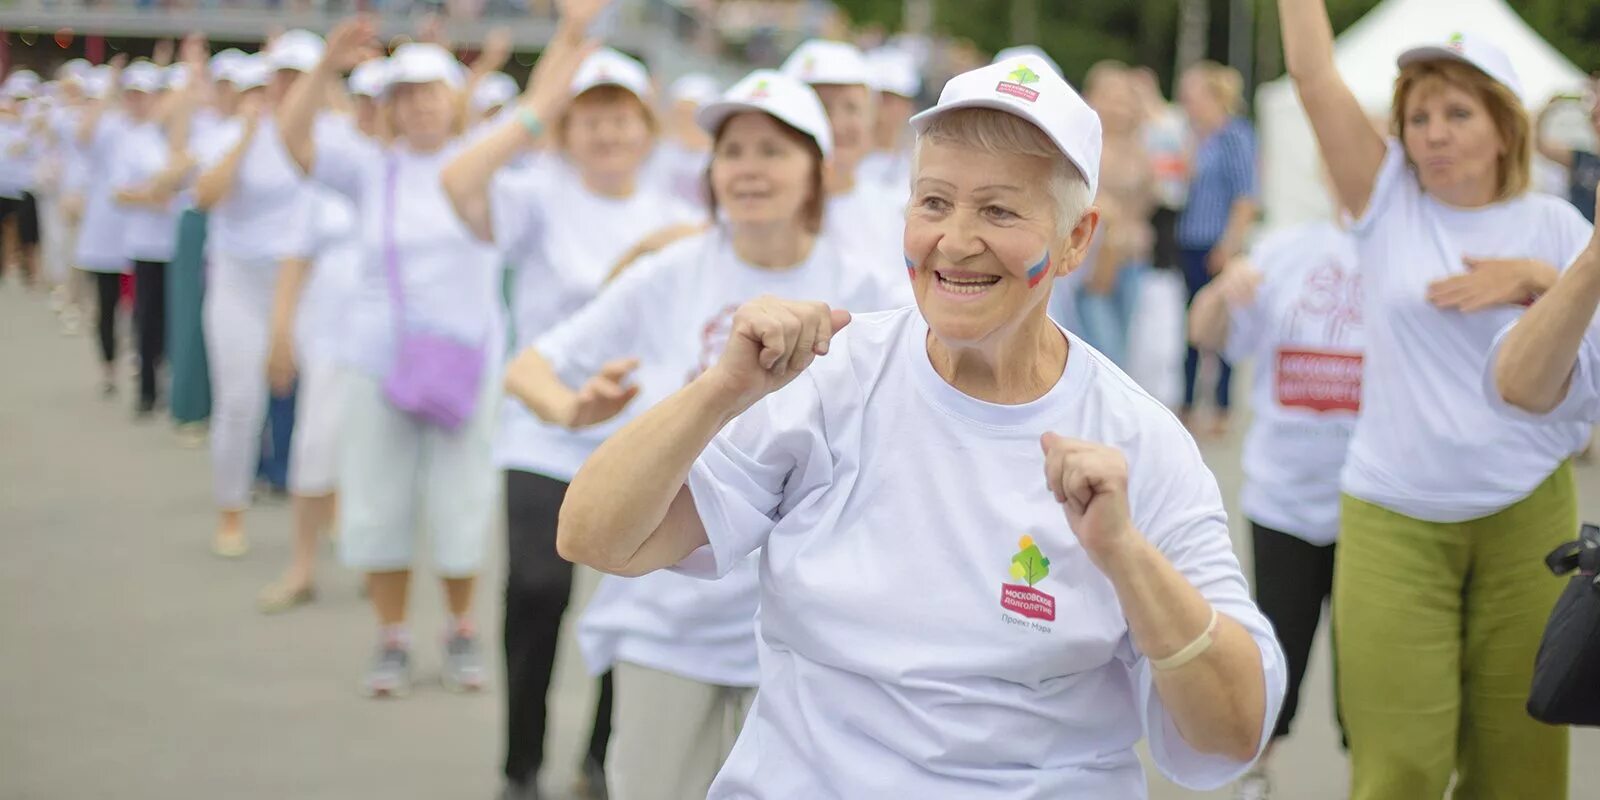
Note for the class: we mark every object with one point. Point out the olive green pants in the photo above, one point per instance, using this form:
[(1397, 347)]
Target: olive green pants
[(1438, 625)]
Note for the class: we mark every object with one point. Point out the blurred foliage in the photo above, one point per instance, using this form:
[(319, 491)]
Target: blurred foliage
[(1078, 33)]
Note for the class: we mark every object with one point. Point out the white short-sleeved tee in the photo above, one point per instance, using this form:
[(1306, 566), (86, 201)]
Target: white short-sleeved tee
[(1304, 334), (870, 222), (562, 241), (929, 624), (251, 225), (333, 246), (1427, 443), (1581, 405), (673, 311), (450, 279), (103, 226), (151, 234)]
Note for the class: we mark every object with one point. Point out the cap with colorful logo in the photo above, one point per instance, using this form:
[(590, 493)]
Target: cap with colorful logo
[(1027, 50), (608, 67), (828, 63), (784, 98), (1026, 87), (1473, 50)]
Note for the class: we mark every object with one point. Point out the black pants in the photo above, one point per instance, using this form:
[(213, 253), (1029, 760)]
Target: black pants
[(1195, 277), (538, 585), (108, 288), (150, 315), (1294, 580)]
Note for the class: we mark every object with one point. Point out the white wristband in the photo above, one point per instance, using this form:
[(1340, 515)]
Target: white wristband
[(1193, 650)]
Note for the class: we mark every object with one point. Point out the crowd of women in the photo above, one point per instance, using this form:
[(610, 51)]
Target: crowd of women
[(784, 362)]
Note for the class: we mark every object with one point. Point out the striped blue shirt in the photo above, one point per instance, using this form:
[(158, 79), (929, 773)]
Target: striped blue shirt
[(1224, 172)]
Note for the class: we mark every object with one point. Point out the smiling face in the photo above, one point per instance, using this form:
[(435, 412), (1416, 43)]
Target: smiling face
[(1466, 141), (607, 131), (764, 172), (851, 115), (984, 236)]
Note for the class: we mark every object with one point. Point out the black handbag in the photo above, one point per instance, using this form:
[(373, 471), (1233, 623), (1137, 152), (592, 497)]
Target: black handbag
[(1566, 674)]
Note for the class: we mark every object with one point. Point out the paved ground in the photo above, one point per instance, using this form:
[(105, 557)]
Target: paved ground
[(133, 664)]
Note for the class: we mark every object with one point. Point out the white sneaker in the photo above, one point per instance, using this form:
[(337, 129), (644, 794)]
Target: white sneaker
[(1253, 786)]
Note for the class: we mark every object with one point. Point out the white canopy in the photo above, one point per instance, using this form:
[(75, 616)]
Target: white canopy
[(1291, 186)]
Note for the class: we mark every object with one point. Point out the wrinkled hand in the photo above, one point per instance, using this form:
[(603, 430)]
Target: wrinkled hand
[(604, 395), (1488, 282), (1091, 483), (1238, 283), (772, 342), (351, 42), (280, 365)]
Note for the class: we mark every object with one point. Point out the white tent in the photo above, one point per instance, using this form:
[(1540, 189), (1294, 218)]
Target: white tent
[(1366, 52)]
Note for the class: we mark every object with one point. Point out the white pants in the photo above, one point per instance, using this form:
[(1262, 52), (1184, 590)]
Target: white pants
[(670, 735), (237, 320), (314, 449), (390, 463)]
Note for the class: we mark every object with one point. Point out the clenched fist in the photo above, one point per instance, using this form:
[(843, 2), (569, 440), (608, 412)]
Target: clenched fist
[(772, 342), (1090, 481)]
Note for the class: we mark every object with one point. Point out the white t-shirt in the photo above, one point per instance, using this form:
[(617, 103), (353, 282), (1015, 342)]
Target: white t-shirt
[(333, 245), (16, 158), (450, 280), (929, 625), (1582, 403), (1304, 333), (151, 234), (562, 241), (251, 225), (103, 227), (680, 173), (673, 310), (870, 222), (1427, 444)]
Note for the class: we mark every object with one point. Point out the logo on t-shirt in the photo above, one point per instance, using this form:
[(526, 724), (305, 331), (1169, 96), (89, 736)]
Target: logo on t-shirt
[(1028, 567), (1319, 380), (1016, 83), (713, 338)]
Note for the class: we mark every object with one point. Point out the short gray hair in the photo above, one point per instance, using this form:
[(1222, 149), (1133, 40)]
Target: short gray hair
[(1001, 133)]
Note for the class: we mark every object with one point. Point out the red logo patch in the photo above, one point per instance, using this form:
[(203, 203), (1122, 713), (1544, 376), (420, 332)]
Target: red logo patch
[(1319, 380), (1017, 90), (1028, 602)]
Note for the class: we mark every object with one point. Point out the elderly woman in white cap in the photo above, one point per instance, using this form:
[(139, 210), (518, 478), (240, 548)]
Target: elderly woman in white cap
[(564, 216), (683, 650), (421, 349), (1005, 622), (1440, 592)]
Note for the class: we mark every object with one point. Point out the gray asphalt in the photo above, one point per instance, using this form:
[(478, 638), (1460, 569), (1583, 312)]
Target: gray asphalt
[(133, 664)]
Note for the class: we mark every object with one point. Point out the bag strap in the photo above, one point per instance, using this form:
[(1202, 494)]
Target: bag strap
[(391, 253), (1582, 555)]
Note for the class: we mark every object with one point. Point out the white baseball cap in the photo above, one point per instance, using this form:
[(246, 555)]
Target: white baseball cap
[(75, 70), (769, 92), (422, 62), (1027, 88), (1014, 53), (22, 83), (608, 67), (222, 63), (177, 76), (369, 77), (249, 72), (893, 71), (1470, 49), (696, 87), (299, 50), (97, 81), (143, 76), (823, 61), (494, 89)]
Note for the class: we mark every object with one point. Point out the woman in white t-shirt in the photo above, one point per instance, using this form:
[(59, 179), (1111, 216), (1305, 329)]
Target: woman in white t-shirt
[(1293, 306), (414, 448), (563, 217), (936, 620), (684, 650), (99, 250), (1440, 593), (678, 164)]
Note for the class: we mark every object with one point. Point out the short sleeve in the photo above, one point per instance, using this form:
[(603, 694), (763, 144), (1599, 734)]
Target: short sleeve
[(1179, 508), (751, 473), (623, 321), (1394, 178), (1582, 403), (343, 156), (516, 205)]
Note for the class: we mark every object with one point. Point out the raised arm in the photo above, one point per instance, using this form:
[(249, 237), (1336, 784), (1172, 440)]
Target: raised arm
[(1210, 315), (1353, 150), (349, 44), (215, 184), (1548, 147), (1533, 370)]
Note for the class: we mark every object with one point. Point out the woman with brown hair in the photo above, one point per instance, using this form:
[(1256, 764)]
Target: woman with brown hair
[(1440, 592)]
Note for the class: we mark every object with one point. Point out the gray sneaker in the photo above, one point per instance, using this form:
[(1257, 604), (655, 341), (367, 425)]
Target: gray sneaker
[(463, 664), (390, 673)]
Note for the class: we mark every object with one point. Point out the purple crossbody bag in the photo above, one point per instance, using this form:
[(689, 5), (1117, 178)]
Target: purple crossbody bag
[(435, 378)]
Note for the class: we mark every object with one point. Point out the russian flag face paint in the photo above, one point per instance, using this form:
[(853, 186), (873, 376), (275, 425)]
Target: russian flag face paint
[(1037, 272), (911, 267)]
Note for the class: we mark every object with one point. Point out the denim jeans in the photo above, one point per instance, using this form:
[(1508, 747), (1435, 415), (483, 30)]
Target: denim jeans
[(1105, 319)]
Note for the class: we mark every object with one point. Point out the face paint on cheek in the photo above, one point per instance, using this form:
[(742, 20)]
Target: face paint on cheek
[(911, 268), (1037, 272)]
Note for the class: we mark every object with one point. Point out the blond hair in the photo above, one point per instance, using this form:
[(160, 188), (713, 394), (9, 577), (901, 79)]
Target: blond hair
[(1001, 133), (1224, 84), (1514, 175)]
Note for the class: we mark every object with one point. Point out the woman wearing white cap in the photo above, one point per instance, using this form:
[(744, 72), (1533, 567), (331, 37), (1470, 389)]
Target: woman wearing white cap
[(1009, 623), (679, 162), (684, 650), (422, 347), (896, 84), (1440, 593), (99, 247), (564, 218), (863, 215)]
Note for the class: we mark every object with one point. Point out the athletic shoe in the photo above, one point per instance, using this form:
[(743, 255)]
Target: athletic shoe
[(1253, 786), (516, 790), (390, 673), (463, 669)]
